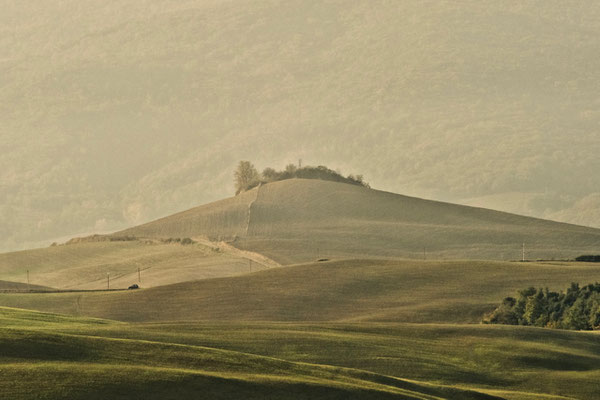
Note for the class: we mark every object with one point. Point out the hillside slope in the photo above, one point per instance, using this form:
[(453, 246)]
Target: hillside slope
[(58, 357), (85, 265), (299, 220), (353, 290), (514, 362), (7, 286)]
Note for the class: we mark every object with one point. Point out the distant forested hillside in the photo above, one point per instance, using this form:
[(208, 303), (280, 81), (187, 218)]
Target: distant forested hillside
[(492, 104)]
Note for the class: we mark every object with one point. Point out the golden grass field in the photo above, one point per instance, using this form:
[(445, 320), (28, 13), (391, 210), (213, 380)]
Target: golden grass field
[(85, 265)]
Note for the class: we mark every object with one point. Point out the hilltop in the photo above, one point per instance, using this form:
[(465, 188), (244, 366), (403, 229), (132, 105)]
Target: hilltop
[(289, 222), (300, 220)]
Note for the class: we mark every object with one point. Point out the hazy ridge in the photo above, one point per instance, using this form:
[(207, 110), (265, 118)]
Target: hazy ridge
[(114, 114), (300, 220)]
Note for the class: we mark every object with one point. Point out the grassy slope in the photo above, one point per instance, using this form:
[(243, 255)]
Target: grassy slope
[(85, 265), (353, 290), (74, 357), (512, 362), (299, 220), (20, 286), (56, 357)]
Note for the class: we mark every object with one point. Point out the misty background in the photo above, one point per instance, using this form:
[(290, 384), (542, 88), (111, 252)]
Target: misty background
[(114, 113)]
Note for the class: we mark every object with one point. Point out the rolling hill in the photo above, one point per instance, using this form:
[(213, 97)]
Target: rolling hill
[(52, 356), (289, 222), (366, 326), (347, 290), (300, 220), (116, 113), (45, 356), (85, 264)]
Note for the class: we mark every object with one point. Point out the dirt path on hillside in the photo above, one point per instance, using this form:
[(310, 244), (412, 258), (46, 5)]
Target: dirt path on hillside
[(234, 251), (250, 209)]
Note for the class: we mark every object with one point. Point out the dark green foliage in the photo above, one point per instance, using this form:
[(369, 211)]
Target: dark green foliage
[(125, 238), (184, 241), (578, 308), (292, 171), (269, 174), (588, 258), (246, 177)]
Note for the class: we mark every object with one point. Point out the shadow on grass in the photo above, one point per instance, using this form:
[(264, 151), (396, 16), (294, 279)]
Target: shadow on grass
[(216, 388)]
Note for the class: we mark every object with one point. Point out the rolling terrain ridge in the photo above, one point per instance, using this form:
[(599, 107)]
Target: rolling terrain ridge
[(300, 220), (346, 290)]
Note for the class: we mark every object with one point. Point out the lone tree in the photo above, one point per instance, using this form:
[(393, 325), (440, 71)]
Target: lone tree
[(245, 176)]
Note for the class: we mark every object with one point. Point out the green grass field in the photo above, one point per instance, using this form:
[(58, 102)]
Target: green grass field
[(47, 356), (53, 356), (338, 329)]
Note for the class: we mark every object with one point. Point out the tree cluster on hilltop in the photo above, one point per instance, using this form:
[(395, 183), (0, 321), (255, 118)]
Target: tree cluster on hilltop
[(577, 308), (247, 177)]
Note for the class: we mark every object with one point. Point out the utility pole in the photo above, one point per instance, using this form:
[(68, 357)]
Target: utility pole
[(108, 280), (139, 276), (523, 251)]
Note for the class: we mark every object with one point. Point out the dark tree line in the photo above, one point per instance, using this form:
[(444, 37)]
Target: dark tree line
[(247, 177), (588, 258), (577, 308)]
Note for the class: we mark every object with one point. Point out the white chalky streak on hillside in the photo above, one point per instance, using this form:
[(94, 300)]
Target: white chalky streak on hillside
[(250, 209), (234, 251)]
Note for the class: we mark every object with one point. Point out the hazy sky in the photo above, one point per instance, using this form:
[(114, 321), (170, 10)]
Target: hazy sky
[(113, 113)]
